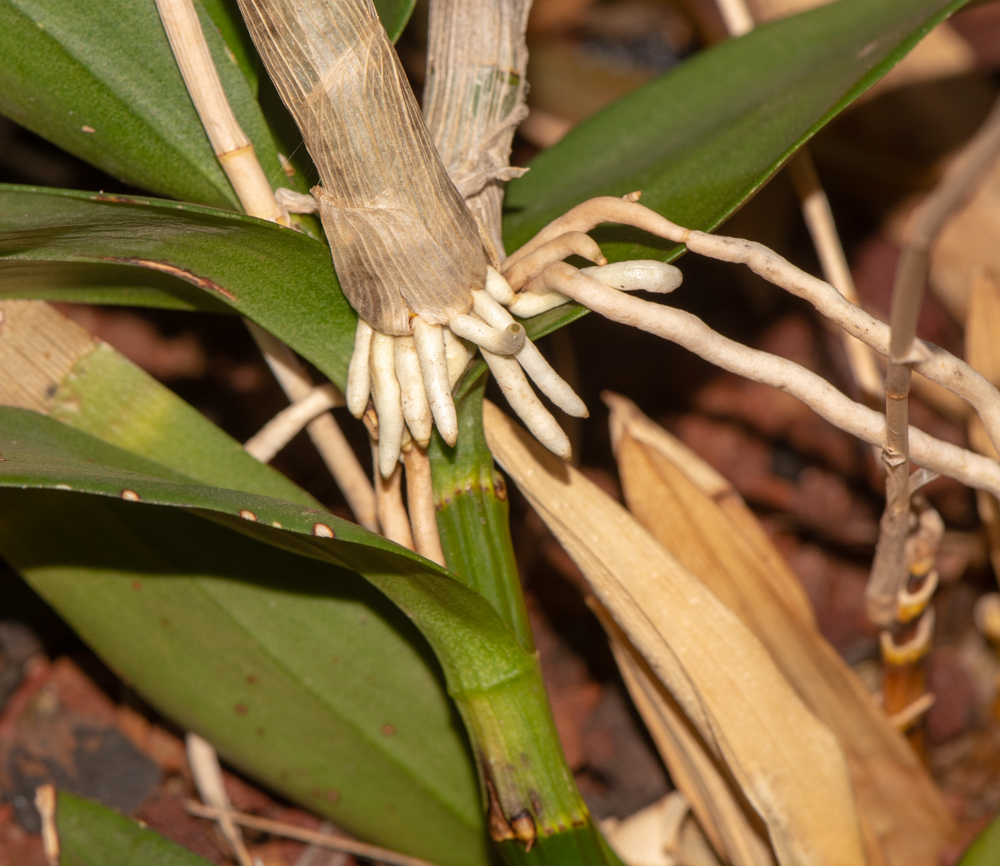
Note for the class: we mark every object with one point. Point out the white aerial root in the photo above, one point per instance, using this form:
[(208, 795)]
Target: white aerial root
[(562, 247), (284, 426), (689, 331), (413, 391)]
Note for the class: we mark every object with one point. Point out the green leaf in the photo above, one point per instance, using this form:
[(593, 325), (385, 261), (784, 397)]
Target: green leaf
[(93, 835), (114, 249), (706, 136), (394, 15), (99, 80), (985, 849)]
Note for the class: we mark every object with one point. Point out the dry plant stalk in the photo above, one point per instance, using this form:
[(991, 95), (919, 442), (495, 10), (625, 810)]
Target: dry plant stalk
[(237, 157), (401, 236), (700, 518), (311, 837), (787, 764), (474, 98)]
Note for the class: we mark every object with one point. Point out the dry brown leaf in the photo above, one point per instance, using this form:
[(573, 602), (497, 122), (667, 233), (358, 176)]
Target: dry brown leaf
[(728, 820), (699, 517), (983, 353), (789, 766), (665, 833)]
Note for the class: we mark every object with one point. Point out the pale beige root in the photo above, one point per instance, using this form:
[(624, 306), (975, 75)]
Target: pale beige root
[(284, 426), (735, 831), (510, 377), (388, 402), (207, 773), (550, 383), (641, 275), (703, 521), (230, 143), (420, 502), (416, 409), (400, 234), (689, 331), (474, 99), (431, 352), (788, 765), (359, 384), (392, 517), (457, 355), (562, 247), (505, 341)]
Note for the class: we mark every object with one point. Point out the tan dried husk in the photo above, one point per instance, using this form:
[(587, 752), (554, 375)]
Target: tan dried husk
[(787, 764), (403, 242), (703, 521)]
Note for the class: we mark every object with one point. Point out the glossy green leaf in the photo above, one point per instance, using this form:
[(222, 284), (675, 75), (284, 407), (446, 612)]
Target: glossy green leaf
[(99, 80), (339, 656), (93, 835), (985, 849), (394, 14), (702, 139), (112, 249)]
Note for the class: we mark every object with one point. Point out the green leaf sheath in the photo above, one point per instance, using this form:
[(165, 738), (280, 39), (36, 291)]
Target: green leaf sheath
[(112, 249), (701, 139), (472, 516), (985, 849), (93, 835), (99, 80)]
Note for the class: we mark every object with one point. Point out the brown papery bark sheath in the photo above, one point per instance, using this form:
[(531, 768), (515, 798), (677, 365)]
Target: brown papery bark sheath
[(402, 239)]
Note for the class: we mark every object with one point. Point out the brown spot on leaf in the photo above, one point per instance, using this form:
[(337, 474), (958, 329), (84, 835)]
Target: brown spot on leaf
[(333, 795), (323, 531), (241, 709), (247, 514), (252, 679), (130, 495), (388, 730), (136, 585), (173, 270)]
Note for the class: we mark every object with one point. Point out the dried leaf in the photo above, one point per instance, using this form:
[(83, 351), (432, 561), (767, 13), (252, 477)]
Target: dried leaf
[(788, 765), (697, 515)]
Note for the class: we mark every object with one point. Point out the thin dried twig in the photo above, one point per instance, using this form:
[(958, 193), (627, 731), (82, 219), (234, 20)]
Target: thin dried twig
[(207, 774), (323, 840), (890, 568), (237, 157), (45, 802), (689, 331)]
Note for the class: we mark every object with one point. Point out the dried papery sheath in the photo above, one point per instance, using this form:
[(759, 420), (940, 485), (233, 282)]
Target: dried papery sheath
[(403, 241)]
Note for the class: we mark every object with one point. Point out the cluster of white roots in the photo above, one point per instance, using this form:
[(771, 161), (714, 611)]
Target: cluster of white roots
[(410, 379)]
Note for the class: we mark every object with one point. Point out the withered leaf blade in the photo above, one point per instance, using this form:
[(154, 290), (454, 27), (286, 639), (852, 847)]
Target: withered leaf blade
[(403, 241), (698, 516), (788, 765)]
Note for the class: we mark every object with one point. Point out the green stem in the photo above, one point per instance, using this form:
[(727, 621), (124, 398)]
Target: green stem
[(533, 808)]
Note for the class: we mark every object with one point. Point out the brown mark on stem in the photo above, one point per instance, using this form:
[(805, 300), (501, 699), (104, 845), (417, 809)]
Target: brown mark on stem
[(174, 271)]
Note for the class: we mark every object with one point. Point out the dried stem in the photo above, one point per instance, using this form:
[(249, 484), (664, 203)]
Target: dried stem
[(311, 837), (689, 331), (474, 99), (236, 154), (231, 145), (890, 568)]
